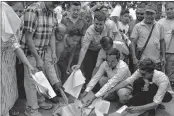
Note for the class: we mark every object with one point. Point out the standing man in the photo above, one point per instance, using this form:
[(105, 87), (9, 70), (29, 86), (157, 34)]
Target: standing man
[(168, 24), (155, 48), (91, 44), (39, 25), (140, 17)]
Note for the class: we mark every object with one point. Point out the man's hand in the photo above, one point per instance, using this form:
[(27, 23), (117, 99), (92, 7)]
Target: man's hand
[(31, 69), (54, 58), (75, 67), (83, 95), (40, 64), (57, 86), (133, 109), (68, 70), (89, 102)]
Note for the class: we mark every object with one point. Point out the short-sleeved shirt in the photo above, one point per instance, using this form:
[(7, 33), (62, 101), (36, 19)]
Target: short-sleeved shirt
[(169, 38), (92, 38), (80, 25), (141, 32), (41, 22), (111, 25), (159, 78), (115, 76), (118, 45)]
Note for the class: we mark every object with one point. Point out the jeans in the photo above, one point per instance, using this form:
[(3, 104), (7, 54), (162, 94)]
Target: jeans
[(33, 97)]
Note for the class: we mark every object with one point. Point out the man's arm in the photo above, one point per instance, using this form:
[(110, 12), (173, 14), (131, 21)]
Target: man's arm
[(124, 83), (96, 78), (53, 47), (70, 60)]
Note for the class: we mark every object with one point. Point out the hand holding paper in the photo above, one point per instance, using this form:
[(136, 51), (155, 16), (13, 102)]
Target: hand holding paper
[(43, 85)]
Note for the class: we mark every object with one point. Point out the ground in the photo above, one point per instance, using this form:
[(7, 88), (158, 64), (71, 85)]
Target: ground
[(20, 106)]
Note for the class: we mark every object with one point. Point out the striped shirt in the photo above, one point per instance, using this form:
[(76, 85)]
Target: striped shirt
[(41, 22)]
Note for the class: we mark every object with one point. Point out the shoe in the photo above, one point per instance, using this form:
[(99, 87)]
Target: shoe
[(45, 106), (32, 112), (13, 112), (55, 99)]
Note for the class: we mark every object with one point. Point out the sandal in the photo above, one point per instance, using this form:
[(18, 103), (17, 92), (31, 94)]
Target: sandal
[(13, 112)]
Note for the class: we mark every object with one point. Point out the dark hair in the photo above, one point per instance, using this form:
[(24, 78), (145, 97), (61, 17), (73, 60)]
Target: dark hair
[(147, 65), (100, 16), (11, 3), (167, 3), (75, 3), (114, 51), (105, 41), (103, 7), (124, 12)]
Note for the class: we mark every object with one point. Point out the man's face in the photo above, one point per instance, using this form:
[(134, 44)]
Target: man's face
[(74, 40), (75, 11), (98, 25), (146, 75), (170, 10), (140, 14), (18, 8), (149, 17), (50, 5), (125, 18), (112, 61), (105, 10)]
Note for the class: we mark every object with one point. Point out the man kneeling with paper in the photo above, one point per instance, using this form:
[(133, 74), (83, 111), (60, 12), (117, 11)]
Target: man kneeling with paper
[(116, 70)]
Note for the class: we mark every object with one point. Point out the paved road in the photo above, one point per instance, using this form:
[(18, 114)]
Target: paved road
[(169, 111)]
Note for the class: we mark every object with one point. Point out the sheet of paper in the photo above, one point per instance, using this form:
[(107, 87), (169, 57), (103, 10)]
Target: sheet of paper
[(98, 113), (122, 109), (79, 79), (69, 85), (102, 106), (41, 80)]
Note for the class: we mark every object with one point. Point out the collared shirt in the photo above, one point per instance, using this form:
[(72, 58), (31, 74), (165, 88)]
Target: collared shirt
[(92, 38), (115, 76), (41, 22), (80, 25), (141, 32), (169, 38), (160, 79), (116, 44)]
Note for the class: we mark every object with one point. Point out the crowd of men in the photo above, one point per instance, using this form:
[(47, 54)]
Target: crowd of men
[(124, 60)]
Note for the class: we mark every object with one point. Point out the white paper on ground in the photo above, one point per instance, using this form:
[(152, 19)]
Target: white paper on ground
[(42, 83), (122, 109), (98, 113), (71, 81)]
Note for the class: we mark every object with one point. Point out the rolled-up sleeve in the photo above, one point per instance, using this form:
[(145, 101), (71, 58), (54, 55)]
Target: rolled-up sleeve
[(30, 20), (101, 57), (120, 76), (96, 78), (161, 92), (86, 40), (135, 33), (134, 77)]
